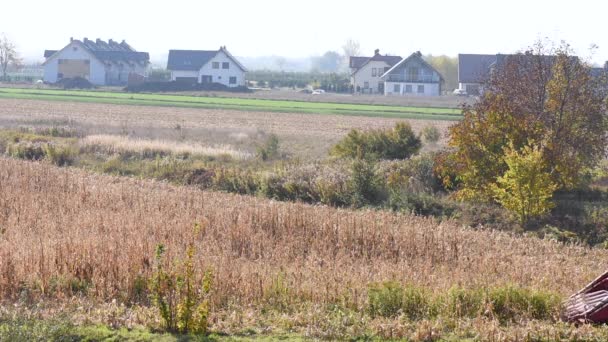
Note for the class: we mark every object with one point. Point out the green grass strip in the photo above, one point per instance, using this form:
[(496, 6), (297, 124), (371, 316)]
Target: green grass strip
[(431, 113)]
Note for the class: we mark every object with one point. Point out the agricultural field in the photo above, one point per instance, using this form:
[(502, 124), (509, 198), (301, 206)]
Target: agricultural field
[(77, 253), (302, 135), (149, 217), (235, 103)]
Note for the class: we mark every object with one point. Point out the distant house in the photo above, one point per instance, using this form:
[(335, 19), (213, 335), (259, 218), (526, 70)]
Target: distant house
[(204, 66), (412, 76), (366, 72), (473, 71), (100, 62)]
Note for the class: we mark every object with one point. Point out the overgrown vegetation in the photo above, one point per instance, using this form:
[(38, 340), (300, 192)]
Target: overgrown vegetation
[(399, 143), (183, 305), (257, 248)]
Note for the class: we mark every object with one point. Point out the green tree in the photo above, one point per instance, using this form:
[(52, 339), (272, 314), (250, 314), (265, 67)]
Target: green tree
[(547, 96), (448, 67), (526, 187)]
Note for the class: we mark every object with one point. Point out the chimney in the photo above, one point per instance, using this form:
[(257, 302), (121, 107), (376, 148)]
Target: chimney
[(123, 42), (71, 39), (376, 52), (97, 41), (419, 54), (606, 65), (110, 41), (86, 39)]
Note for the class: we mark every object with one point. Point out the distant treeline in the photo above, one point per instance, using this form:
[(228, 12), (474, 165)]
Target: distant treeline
[(336, 82)]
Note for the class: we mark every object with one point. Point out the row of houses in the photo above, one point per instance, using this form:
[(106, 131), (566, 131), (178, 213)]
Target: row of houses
[(112, 63), (393, 75)]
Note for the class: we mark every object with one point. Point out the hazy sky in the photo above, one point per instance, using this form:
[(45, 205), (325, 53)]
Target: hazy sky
[(309, 27)]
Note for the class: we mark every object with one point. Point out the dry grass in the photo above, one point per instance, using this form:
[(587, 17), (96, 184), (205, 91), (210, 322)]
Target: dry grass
[(302, 135), (104, 230), (124, 144), (94, 236)]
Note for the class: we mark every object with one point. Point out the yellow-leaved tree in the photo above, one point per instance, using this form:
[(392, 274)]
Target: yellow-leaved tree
[(526, 188)]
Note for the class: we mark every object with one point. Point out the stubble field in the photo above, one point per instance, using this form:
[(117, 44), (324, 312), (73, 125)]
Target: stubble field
[(302, 135)]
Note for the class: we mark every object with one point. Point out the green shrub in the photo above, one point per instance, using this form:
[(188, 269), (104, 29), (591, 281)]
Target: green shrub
[(511, 302), (236, 181), (389, 299), (364, 184), (417, 302), (269, 149), (26, 150), (460, 302), (399, 142), (385, 299), (431, 134), (60, 155), (183, 305)]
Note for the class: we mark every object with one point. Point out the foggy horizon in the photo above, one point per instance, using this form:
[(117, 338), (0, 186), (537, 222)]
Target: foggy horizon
[(302, 30)]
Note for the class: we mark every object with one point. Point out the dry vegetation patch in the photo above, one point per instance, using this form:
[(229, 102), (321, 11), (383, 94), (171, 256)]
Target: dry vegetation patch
[(124, 144)]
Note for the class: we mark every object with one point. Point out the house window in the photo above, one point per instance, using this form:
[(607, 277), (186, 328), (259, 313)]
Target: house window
[(408, 88), (373, 72), (225, 65), (397, 88), (412, 74), (232, 80), (421, 89), (215, 65), (365, 85)]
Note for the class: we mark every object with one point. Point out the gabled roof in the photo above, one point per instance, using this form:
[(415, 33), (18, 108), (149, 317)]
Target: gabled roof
[(49, 53), (474, 68), (418, 56), (190, 60), (110, 51), (360, 62), (194, 60), (356, 62)]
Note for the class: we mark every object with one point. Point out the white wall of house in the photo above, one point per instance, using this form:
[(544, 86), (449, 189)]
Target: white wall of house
[(221, 75), (184, 73), (75, 50), (366, 74), (401, 88)]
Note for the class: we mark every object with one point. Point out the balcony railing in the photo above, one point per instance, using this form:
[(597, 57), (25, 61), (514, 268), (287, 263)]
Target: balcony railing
[(412, 79)]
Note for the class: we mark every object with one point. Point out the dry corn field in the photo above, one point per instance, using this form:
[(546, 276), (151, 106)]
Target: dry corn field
[(66, 224), (304, 135)]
